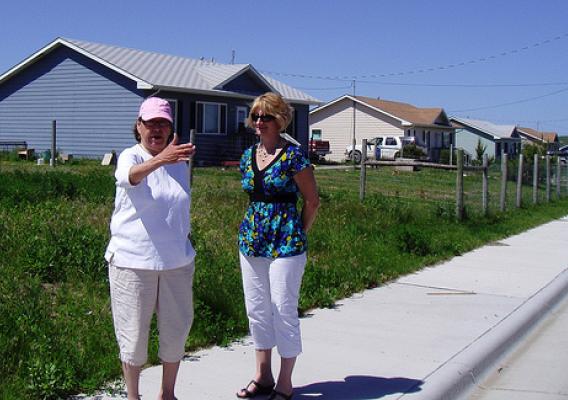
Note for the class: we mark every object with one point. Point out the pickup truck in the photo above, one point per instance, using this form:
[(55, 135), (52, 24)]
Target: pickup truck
[(378, 148), (318, 149)]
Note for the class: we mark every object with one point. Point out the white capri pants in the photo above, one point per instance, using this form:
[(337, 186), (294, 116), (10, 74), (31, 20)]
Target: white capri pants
[(272, 288), (135, 295)]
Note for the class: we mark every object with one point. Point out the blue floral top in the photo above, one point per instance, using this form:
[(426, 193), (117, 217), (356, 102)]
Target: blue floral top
[(272, 226)]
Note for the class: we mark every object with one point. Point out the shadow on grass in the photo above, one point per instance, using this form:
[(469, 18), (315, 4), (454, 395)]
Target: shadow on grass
[(357, 387)]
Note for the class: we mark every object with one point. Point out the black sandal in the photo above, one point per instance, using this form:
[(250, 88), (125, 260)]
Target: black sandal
[(276, 395), (260, 389)]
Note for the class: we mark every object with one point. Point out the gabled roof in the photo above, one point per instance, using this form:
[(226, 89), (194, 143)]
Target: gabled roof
[(407, 114), (489, 128), (545, 137), (155, 71)]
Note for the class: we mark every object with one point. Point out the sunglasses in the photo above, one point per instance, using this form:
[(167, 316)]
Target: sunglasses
[(263, 118), (151, 124)]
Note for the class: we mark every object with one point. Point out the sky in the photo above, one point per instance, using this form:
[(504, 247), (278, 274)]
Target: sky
[(501, 61)]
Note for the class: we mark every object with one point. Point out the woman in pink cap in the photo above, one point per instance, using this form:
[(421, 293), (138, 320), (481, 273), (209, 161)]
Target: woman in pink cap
[(151, 260)]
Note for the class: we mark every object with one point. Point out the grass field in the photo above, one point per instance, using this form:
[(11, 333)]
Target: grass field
[(56, 334)]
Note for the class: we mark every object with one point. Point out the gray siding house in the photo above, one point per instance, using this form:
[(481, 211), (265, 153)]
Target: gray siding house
[(93, 91), (497, 139)]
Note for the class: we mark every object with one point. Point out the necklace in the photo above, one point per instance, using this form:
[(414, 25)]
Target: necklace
[(264, 154)]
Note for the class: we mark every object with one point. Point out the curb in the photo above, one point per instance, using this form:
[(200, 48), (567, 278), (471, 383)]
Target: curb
[(459, 375)]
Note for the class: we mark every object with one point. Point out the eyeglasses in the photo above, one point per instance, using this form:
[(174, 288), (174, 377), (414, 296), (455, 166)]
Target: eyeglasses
[(151, 124), (263, 118)]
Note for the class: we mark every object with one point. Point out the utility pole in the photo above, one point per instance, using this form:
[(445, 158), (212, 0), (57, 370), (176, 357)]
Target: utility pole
[(354, 113)]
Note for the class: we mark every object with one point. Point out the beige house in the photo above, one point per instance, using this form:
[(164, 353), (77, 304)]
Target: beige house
[(547, 139), (365, 118)]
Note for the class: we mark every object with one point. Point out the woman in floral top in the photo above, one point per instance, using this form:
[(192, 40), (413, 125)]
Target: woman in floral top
[(272, 243)]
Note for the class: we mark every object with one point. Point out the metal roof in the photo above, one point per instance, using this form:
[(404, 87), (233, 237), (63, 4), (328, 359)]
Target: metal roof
[(162, 71), (497, 131)]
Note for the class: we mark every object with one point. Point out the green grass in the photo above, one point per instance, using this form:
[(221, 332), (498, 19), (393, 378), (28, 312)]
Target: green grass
[(56, 334)]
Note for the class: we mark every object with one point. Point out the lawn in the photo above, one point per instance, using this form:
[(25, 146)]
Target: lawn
[(56, 334)]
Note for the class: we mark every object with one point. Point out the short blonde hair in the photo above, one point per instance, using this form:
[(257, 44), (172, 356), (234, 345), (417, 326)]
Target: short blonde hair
[(273, 104)]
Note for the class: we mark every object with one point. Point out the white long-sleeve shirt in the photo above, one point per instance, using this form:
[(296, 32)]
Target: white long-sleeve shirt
[(151, 221)]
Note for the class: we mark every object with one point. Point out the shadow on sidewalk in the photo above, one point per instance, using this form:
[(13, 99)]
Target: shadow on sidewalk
[(357, 387)]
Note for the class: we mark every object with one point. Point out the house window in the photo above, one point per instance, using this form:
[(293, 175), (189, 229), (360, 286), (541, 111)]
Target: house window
[(211, 118), (242, 113), (316, 134), (174, 107)]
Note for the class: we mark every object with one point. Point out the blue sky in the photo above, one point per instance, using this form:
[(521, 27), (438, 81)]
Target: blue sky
[(502, 61)]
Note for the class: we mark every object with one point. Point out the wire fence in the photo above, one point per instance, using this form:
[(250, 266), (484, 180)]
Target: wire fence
[(471, 190)]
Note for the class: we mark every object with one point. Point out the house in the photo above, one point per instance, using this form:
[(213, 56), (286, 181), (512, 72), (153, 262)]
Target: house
[(93, 92), (496, 139), (548, 139), (364, 118)]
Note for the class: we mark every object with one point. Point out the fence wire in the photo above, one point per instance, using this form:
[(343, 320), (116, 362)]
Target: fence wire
[(437, 188)]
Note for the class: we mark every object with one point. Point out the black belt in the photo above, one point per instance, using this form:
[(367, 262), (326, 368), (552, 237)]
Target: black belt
[(278, 198)]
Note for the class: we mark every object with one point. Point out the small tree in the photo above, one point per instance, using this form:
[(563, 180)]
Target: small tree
[(479, 152), (530, 149)]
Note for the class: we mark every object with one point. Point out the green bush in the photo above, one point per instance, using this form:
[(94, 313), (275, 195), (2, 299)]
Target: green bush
[(411, 150)]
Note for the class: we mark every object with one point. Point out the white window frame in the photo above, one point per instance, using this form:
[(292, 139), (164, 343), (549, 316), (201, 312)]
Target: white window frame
[(175, 112), (318, 131), (240, 109), (220, 123)]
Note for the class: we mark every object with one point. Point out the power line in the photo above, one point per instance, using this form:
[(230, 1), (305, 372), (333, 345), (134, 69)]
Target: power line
[(512, 102), (333, 88), (423, 70), (467, 85)]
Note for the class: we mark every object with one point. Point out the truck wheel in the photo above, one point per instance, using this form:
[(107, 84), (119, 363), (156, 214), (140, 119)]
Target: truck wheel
[(355, 157)]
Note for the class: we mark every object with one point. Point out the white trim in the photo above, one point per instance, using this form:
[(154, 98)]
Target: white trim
[(198, 130), (140, 84), (244, 70), (240, 108), (176, 112)]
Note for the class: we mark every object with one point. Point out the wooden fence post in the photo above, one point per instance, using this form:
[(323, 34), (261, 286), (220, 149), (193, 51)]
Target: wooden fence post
[(53, 142), (485, 186), (363, 176), (547, 178), (503, 196), (520, 182), (190, 172), (558, 169), (535, 180), (459, 185), (566, 178)]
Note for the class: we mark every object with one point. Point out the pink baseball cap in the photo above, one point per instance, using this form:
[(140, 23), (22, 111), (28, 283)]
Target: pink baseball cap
[(155, 107)]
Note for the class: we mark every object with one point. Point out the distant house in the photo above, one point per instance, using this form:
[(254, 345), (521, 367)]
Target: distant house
[(364, 117), (496, 139), (93, 91), (547, 139)]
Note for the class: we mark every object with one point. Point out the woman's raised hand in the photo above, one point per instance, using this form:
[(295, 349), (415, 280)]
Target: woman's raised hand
[(175, 152)]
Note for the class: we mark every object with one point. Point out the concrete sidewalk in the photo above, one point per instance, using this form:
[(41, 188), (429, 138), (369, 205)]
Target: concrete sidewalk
[(429, 335)]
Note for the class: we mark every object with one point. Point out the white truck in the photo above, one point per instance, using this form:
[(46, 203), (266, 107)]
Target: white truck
[(379, 148)]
